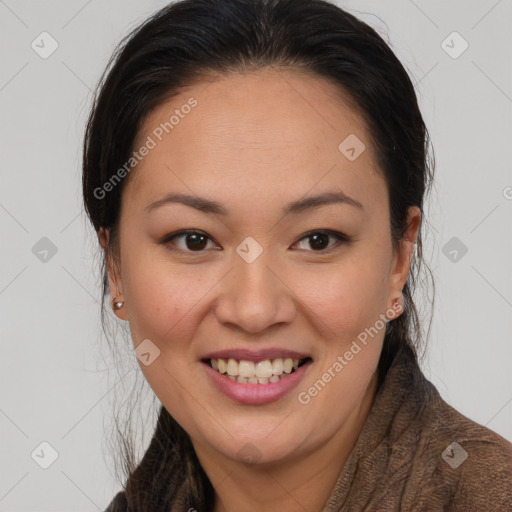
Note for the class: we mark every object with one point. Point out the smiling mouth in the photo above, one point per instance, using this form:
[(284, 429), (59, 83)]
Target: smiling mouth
[(266, 371)]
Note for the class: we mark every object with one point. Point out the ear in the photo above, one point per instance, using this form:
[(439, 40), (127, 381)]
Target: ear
[(114, 280), (401, 263)]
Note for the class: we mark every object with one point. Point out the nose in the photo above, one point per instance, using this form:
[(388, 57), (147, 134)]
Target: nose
[(255, 296)]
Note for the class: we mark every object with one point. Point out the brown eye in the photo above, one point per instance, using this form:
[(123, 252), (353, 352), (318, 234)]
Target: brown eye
[(319, 240), (193, 241)]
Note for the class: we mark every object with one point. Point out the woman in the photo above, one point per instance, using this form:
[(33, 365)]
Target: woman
[(256, 173)]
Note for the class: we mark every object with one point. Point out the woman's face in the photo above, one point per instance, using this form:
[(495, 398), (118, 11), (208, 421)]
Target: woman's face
[(253, 286)]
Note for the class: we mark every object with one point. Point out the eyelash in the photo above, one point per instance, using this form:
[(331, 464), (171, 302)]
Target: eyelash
[(340, 237)]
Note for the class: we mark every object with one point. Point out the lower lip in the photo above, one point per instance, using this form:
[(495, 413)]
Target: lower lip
[(256, 394)]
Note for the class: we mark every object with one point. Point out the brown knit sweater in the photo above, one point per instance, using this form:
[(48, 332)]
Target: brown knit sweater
[(416, 453)]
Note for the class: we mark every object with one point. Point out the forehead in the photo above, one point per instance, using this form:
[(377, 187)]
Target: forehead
[(272, 128)]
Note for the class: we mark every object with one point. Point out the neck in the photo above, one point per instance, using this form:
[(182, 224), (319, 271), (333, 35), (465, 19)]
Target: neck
[(301, 484)]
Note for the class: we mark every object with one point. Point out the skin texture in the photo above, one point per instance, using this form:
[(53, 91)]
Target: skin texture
[(254, 143)]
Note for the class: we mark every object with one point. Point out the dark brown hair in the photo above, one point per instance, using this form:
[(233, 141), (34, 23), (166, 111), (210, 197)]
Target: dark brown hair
[(179, 45)]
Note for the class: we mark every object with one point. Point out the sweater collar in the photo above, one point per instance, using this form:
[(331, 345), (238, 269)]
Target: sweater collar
[(399, 400)]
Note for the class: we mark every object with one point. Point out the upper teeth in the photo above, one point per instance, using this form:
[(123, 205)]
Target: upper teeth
[(247, 369)]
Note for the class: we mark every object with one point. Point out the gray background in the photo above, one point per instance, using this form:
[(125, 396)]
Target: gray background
[(57, 378)]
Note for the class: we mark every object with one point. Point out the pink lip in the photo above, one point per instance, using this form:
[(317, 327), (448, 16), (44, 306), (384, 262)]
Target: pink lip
[(256, 394), (255, 355)]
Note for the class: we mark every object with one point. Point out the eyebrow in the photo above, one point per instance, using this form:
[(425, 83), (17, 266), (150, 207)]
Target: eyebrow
[(212, 207)]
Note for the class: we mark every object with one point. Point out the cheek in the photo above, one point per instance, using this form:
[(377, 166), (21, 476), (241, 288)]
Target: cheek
[(164, 302), (346, 298), (161, 297)]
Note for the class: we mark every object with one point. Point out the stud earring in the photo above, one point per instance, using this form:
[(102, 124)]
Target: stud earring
[(117, 305)]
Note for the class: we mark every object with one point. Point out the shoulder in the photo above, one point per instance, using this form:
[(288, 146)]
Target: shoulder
[(118, 504), (470, 463), (416, 452)]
